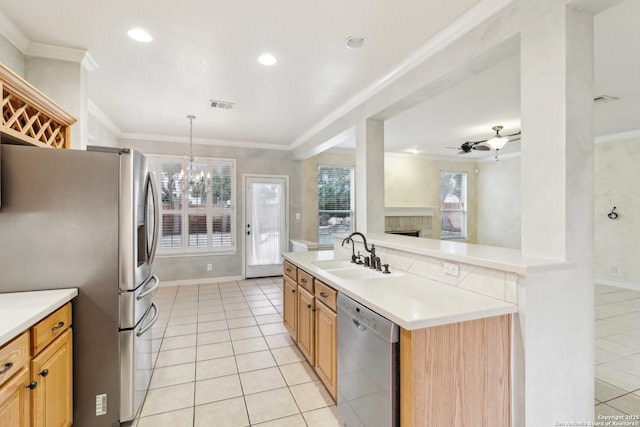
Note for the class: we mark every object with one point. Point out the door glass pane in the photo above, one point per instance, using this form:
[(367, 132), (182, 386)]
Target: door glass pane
[(267, 219), (171, 231), (198, 231)]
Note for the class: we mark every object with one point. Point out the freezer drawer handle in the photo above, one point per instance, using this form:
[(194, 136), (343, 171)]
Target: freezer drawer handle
[(153, 321), (58, 326), (150, 290), (7, 368)]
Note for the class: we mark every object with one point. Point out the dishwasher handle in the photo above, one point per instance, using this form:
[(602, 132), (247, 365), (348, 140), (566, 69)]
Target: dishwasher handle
[(359, 325)]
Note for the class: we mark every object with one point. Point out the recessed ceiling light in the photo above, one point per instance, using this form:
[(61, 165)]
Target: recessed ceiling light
[(267, 59), (355, 42), (140, 35)]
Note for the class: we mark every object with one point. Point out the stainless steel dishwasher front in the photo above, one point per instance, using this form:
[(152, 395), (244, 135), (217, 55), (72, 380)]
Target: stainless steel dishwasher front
[(368, 366)]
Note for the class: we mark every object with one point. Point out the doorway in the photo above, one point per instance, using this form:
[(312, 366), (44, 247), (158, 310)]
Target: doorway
[(265, 222)]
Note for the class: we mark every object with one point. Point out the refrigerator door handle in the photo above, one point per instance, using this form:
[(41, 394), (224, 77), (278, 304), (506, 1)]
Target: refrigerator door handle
[(151, 289), (153, 321), (156, 217)]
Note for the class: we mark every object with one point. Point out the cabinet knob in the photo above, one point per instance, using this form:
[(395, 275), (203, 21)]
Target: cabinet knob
[(293, 291), (44, 373), (323, 295), (303, 280), (58, 326), (32, 385), (7, 368), (308, 305)]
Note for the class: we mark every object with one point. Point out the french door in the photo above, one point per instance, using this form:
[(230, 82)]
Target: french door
[(265, 228)]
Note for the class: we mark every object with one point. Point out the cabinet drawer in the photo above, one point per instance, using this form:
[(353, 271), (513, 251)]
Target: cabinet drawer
[(305, 280), (14, 356), (290, 270), (50, 328), (326, 294)]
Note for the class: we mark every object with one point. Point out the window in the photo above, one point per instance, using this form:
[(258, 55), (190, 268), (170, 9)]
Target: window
[(192, 222), (453, 205), (335, 201)]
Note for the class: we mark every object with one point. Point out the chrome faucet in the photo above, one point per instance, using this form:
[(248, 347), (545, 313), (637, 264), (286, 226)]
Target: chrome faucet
[(373, 261)]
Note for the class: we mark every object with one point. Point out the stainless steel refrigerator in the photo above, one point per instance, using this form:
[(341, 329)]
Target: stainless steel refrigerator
[(89, 220)]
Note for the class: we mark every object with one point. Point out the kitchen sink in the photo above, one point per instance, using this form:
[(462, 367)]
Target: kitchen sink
[(332, 264), (361, 273)]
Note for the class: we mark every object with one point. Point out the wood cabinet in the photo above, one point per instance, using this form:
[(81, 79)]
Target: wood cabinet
[(52, 369), (36, 375), (306, 324), (326, 329), (309, 311), (290, 305), (456, 374), (14, 379)]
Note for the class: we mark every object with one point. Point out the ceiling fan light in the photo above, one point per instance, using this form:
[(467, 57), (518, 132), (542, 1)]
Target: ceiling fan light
[(496, 143)]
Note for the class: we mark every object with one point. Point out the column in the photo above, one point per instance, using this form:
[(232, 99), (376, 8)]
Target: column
[(556, 308), (369, 176)]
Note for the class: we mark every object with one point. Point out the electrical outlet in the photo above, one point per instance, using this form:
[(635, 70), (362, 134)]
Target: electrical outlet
[(451, 269), (209, 267), (298, 216), (101, 404)]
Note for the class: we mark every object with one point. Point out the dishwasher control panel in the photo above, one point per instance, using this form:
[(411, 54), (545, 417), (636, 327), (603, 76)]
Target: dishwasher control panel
[(368, 318)]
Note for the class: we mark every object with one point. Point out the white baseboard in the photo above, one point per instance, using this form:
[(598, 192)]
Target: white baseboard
[(204, 281), (625, 285)]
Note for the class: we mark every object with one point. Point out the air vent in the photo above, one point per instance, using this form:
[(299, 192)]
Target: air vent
[(603, 99), (225, 105)]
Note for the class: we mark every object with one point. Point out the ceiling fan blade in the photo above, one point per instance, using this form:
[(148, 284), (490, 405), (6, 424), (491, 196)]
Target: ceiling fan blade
[(481, 148), (462, 152), (513, 134)]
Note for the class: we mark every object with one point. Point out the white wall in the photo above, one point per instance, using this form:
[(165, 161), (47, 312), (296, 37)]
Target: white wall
[(11, 57), (616, 241), (498, 186)]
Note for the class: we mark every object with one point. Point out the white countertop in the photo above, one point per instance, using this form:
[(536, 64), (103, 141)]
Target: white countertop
[(412, 302), (21, 310), (505, 259)]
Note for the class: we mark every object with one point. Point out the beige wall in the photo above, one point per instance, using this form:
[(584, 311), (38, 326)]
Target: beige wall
[(411, 181), (11, 57), (616, 241)]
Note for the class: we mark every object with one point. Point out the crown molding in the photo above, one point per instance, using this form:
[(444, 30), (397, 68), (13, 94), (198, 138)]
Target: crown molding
[(618, 136), (81, 56), (13, 34), (203, 141), (100, 116), (478, 13)]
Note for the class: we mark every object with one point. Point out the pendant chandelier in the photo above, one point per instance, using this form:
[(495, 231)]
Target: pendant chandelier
[(193, 181)]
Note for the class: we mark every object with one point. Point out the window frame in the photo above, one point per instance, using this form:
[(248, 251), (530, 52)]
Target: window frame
[(350, 211), (209, 211), (464, 195)]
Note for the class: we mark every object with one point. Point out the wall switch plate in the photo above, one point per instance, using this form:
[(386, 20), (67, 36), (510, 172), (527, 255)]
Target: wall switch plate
[(451, 269), (209, 267), (101, 404)]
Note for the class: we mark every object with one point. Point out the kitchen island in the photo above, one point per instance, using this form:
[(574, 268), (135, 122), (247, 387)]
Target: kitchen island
[(460, 308)]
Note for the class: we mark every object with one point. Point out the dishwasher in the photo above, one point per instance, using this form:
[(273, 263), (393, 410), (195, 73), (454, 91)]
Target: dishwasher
[(368, 366)]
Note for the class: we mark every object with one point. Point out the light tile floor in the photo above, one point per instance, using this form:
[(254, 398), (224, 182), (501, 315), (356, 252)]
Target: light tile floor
[(617, 351), (225, 359)]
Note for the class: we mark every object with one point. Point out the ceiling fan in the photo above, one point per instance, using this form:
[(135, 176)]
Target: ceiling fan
[(496, 143)]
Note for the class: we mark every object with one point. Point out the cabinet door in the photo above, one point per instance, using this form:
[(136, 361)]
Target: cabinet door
[(306, 324), (14, 400), (290, 306), (52, 400), (326, 347)]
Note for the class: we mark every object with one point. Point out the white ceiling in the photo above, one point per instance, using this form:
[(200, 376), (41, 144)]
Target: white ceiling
[(207, 50)]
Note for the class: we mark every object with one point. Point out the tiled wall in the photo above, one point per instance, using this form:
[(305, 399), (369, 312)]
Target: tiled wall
[(409, 223), (486, 281)]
